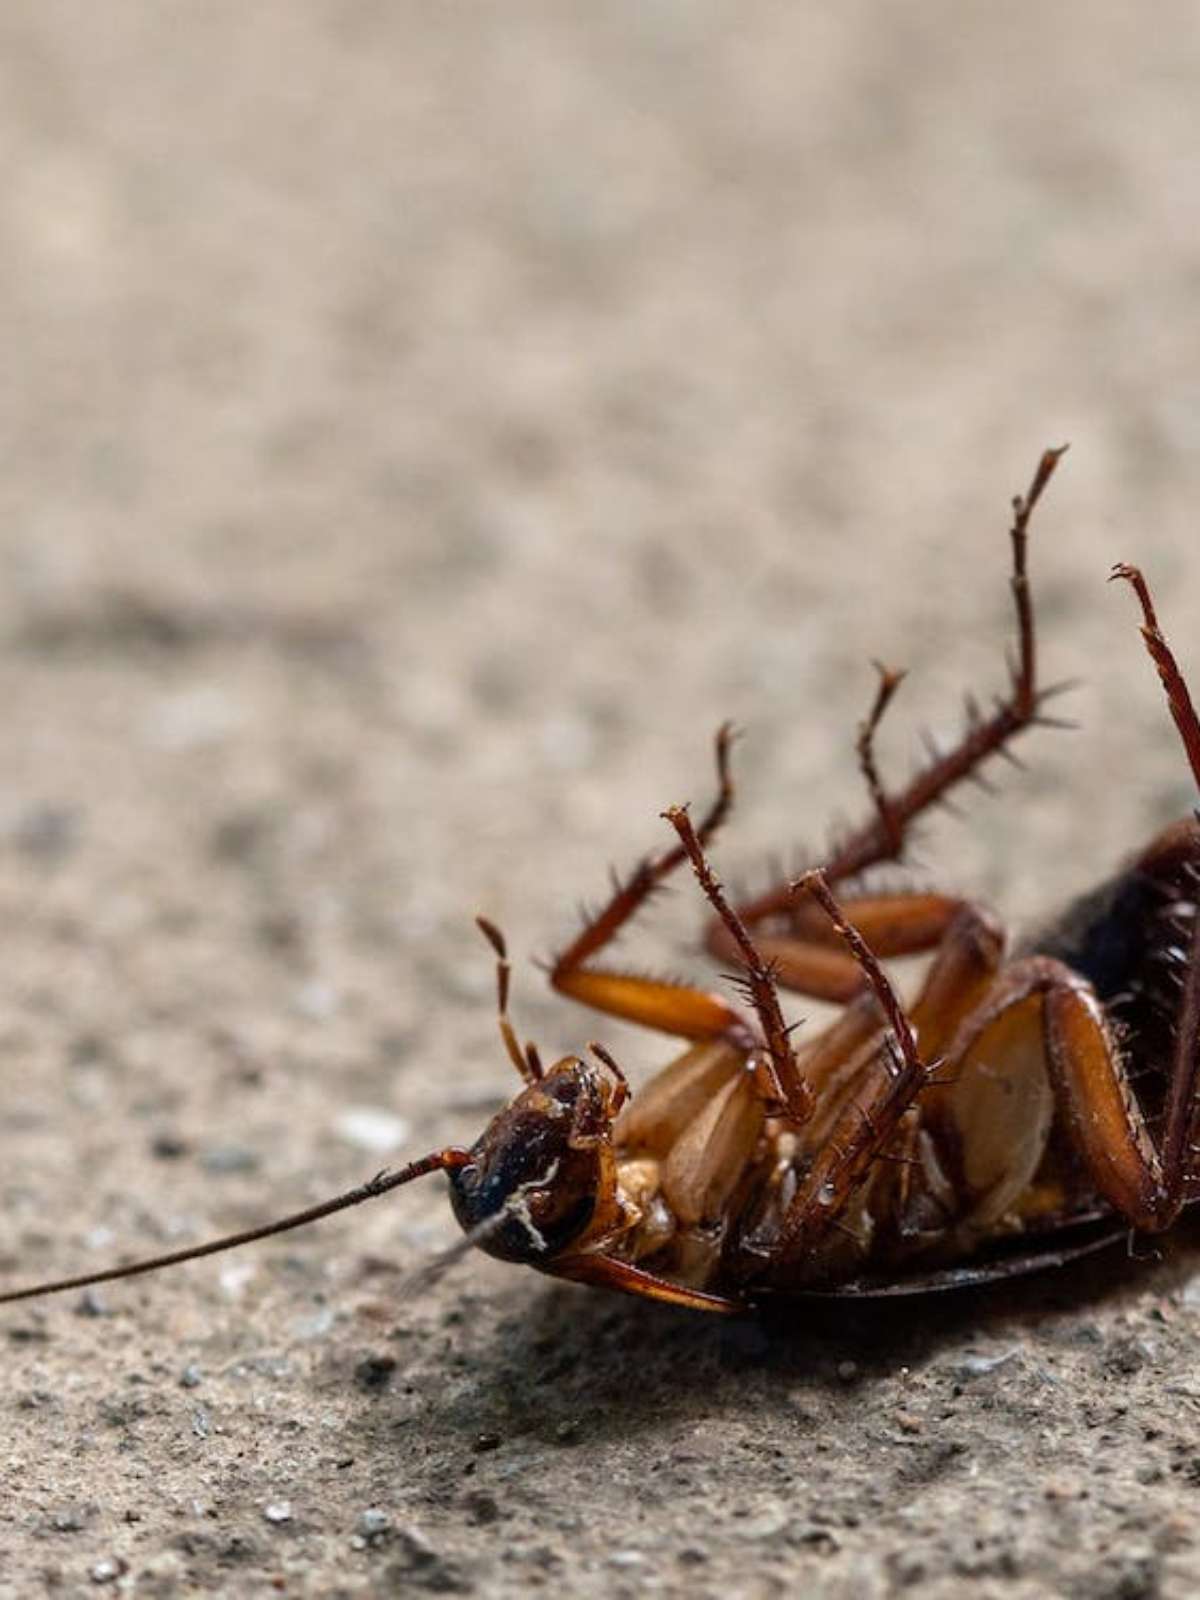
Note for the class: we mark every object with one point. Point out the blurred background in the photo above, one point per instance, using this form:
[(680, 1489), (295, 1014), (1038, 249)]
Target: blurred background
[(422, 424)]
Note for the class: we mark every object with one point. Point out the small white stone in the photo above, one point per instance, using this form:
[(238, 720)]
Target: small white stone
[(978, 1366), (372, 1128), (374, 1525), (278, 1511), (234, 1278)]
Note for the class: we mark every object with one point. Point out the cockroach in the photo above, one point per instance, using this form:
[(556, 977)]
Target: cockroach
[(990, 1127)]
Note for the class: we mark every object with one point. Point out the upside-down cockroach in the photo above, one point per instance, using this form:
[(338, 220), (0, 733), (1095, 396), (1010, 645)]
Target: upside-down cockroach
[(988, 1128)]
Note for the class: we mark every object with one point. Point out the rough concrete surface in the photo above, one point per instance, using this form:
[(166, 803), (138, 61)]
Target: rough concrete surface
[(421, 425)]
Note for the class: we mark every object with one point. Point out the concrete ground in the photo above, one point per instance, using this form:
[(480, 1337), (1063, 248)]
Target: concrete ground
[(422, 424)]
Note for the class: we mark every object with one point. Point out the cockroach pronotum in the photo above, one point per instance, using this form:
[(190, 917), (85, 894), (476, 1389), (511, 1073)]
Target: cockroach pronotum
[(988, 1128)]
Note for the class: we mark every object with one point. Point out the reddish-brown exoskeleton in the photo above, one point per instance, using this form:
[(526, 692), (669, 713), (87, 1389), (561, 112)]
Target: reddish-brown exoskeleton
[(987, 1128)]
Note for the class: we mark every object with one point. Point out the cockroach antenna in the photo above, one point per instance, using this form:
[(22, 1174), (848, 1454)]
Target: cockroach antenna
[(383, 1183)]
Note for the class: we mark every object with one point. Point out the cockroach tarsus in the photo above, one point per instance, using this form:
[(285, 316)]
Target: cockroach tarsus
[(986, 1128)]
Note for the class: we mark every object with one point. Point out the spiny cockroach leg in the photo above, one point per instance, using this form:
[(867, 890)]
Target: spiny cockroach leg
[(868, 1123), (678, 1009), (527, 1061), (1144, 1178), (981, 738), (810, 958), (882, 839), (814, 883), (889, 682), (1185, 1068), (789, 1087), (631, 894), (964, 967), (1174, 685)]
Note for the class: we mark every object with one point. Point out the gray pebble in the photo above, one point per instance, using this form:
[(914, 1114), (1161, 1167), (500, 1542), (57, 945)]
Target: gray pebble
[(375, 1526)]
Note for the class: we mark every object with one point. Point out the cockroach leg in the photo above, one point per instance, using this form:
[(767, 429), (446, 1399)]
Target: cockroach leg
[(810, 958), (889, 822), (1185, 1066), (983, 736), (1056, 1014), (867, 1123), (677, 1009), (527, 1062), (785, 1082), (1040, 1007), (960, 975), (1174, 685), (815, 883), (883, 838), (603, 1272)]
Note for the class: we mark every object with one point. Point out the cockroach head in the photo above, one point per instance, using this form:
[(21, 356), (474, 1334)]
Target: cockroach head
[(542, 1177)]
